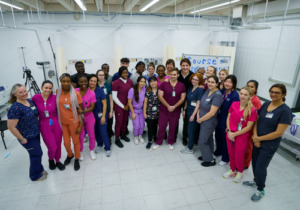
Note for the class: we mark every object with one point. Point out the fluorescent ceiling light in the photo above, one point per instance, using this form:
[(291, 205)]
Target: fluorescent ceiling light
[(80, 4), (10, 5), (149, 5), (215, 6)]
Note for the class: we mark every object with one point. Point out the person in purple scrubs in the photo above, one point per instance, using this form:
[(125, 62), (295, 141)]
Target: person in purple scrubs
[(171, 95)]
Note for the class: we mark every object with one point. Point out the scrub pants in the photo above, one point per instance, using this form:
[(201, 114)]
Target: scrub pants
[(52, 136), (109, 126), (33, 147), (191, 130), (121, 121), (68, 132), (89, 126), (152, 129), (221, 143), (102, 134), (206, 142), (237, 151), (165, 118), (261, 158), (139, 122), (248, 153)]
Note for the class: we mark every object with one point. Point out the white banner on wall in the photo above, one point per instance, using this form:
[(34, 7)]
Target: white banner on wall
[(204, 61)]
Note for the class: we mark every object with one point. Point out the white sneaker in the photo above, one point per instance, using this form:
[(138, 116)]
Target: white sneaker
[(136, 140), (108, 153), (86, 138), (98, 149), (229, 174), (155, 146), (171, 147), (222, 163), (81, 156), (238, 177), (93, 155), (141, 139)]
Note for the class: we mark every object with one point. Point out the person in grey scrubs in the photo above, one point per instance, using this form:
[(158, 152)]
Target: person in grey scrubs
[(211, 101)]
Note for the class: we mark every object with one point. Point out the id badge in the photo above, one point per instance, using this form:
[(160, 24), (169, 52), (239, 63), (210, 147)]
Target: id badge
[(50, 122), (239, 126), (193, 103), (154, 108), (269, 115), (228, 99), (173, 93), (33, 108), (105, 91), (208, 100), (100, 114), (46, 113), (67, 106)]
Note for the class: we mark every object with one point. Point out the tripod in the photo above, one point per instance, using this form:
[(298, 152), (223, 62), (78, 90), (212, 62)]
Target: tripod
[(31, 82)]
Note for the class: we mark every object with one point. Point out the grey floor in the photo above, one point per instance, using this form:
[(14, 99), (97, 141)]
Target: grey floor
[(136, 178)]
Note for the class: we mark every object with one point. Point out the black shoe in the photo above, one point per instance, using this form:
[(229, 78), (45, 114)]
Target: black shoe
[(166, 136), (245, 168), (76, 165), (125, 138), (119, 143), (200, 158), (60, 166), (52, 165), (110, 141), (148, 146), (68, 160), (112, 133), (144, 132), (208, 164), (184, 141), (127, 131), (217, 153)]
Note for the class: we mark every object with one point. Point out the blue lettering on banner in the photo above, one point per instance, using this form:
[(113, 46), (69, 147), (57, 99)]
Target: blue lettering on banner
[(189, 58), (199, 61), (214, 62), (194, 61), (192, 69), (203, 61), (208, 61)]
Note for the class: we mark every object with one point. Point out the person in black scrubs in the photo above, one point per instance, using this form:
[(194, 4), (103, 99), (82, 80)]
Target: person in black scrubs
[(79, 66), (273, 119)]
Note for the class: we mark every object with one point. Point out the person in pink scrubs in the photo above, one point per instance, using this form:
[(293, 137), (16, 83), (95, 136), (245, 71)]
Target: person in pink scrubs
[(160, 70), (88, 105), (49, 125)]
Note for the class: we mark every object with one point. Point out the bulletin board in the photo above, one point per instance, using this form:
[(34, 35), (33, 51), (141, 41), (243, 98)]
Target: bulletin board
[(204, 61)]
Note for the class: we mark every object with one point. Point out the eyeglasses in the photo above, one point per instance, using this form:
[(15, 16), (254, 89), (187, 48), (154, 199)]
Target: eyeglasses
[(195, 80), (276, 93)]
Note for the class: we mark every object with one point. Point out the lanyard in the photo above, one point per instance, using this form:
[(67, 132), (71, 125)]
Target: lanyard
[(224, 97)]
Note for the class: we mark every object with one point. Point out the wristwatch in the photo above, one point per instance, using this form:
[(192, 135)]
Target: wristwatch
[(228, 130)]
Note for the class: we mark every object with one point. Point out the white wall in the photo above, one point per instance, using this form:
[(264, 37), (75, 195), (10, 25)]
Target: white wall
[(255, 56)]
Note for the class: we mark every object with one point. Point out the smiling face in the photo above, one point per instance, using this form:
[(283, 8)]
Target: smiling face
[(222, 75), (153, 84), (210, 71), (160, 71), (47, 89), (228, 84), (21, 93), (151, 70), (185, 67), (170, 66), (245, 96), (195, 81), (83, 83), (140, 69), (142, 83), (276, 94), (101, 76), (125, 64), (251, 85), (211, 83), (66, 83), (93, 82), (124, 74), (80, 68), (174, 76), (105, 68)]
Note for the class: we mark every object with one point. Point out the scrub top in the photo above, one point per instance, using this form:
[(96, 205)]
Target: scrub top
[(172, 100), (65, 108), (137, 105), (215, 99), (192, 97), (87, 99), (256, 102), (227, 101), (159, 82), (28, 124), (42, 106), (268, 121), (122, 89), (100, 96), (152, 105), (107, 91)]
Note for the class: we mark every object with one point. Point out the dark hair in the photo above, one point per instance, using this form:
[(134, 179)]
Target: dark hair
[(153, 78), (175, 69), (199, 76), (170, 61), (64, 75), (78, 62), (91, 76), (104, 64), (82, 76), (140, 63), (125, 60), (121, 69), (99, 71), (159, 66), (136, 88), (255, 84), (214, 77), (47, 82), (185, 60), (233, 80), (281, 87)]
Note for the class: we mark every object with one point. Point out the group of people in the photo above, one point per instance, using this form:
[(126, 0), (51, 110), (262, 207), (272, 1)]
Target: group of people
[(84, 104)]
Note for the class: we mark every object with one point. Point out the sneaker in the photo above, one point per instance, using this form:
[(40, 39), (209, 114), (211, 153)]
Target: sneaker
[(187, 151), (155, 146), (60, 166), (86, 138), (81, 156), (200, 158), (119, 143), (249, 184), (44, 176), (45, 172), (196, 146), (238, 177), (68, 160), (222, 163), (148, 146), (76, 165), (208, 164), (141, 139), (52, 165), (108, 153), (98, 149), (229, 174), (136, 140), (257, 195), (184, 141), (171, 147), (125, 138), (93, 155)]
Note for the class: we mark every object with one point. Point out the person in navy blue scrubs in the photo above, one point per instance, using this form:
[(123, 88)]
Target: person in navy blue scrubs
[(273, 119), (24, 124), (229, 96)]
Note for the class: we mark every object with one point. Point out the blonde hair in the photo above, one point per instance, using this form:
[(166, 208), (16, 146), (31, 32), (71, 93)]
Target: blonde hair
[(247, 110), (225, 71), (13, 91)]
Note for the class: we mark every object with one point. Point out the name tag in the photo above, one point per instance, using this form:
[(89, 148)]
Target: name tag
[(67, 106), (173, 93), (46, 113), (269, 115), (227, 99), (208, 100), (100, 114), (193, 103), (33, 108), (105, 91), (154, 108)]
